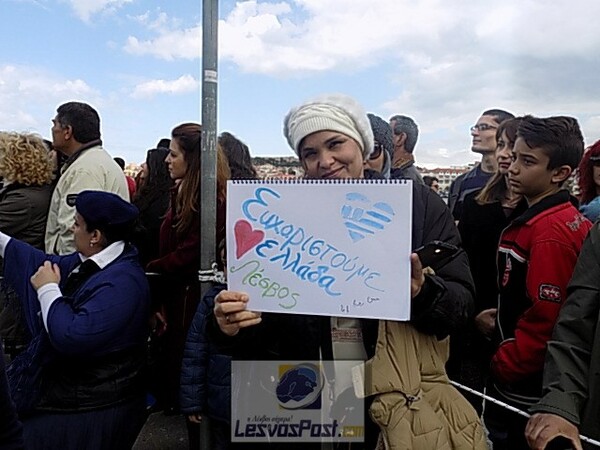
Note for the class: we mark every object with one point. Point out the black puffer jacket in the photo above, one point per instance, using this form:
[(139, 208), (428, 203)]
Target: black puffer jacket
[(205, 373)]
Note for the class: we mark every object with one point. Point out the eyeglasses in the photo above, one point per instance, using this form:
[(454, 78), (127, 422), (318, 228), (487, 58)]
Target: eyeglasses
[(377, 149), (482, 127)]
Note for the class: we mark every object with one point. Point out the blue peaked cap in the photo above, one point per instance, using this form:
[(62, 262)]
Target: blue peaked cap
[(105, 209)]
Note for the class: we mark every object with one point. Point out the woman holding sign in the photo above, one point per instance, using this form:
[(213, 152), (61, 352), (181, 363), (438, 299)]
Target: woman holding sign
[(404, 360)]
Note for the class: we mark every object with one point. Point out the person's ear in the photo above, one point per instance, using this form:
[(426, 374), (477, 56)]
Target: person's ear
[(561, 174), (401, 139), (68, 132), (96, 237)]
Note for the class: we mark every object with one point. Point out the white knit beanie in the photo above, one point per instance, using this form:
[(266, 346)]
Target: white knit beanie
[(333, 112)]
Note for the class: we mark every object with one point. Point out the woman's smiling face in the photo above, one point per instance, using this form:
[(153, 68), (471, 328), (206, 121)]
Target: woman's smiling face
[(331, 155)]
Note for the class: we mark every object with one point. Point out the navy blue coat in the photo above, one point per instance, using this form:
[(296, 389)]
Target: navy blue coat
[(205, 372), (98, 335)]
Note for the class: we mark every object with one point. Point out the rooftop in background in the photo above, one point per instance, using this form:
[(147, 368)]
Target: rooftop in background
[(277, 166), (289, 166)]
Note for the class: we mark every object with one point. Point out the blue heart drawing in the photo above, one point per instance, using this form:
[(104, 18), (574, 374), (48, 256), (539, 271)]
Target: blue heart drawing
[(363, 218)]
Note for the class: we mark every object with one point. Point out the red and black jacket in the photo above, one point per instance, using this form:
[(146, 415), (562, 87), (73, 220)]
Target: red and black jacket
[(536, 257)]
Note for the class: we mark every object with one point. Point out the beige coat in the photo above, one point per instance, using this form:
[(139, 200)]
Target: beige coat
[(93, 169), (415, 406)]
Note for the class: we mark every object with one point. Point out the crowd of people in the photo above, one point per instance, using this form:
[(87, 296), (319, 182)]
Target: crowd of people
[(102, 320)]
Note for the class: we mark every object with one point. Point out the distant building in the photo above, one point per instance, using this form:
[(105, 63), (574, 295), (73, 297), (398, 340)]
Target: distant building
[(446, 176), (289, 167), (132, 169), (278, 167)]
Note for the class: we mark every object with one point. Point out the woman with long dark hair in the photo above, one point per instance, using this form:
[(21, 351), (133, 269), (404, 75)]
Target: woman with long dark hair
[(179, 248), (485, 214), (152, 199), (238, 157)]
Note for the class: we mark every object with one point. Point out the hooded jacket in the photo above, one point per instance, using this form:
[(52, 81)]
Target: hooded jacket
[(415, 406)]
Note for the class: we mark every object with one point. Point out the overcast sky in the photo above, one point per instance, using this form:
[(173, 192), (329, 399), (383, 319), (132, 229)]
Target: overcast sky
[(441, 62)]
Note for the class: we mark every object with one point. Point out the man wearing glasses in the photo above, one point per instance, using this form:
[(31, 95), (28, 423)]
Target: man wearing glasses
[(483, 135), (406, 134)]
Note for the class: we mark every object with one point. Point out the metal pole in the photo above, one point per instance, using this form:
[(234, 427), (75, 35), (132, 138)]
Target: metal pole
[(208, 159)]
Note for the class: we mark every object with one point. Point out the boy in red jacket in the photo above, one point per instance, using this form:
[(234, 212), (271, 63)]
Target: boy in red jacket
[(536, 257)]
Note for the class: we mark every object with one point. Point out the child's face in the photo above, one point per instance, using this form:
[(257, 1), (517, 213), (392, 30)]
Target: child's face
[(529, 175)]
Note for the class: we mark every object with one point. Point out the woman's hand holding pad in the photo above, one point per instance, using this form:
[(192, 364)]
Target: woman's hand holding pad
[(231, 313)]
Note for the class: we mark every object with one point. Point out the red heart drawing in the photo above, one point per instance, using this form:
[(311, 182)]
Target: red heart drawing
[(245, 237)]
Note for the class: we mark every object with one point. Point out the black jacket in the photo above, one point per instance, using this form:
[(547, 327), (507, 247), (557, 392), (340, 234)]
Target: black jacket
[(23, 215), (147, 235), (11, 433), (480, 228)]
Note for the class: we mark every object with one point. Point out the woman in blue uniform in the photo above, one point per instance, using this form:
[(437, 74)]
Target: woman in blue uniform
[(87, 312)]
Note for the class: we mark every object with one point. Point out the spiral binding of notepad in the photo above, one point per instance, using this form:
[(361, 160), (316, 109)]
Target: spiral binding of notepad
[(276, 180)]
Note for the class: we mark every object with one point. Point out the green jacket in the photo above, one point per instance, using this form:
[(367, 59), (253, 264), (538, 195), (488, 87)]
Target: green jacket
[(572, 367)]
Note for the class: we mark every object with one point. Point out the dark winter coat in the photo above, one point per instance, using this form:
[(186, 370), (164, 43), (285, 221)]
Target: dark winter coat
[(480, 228), (147, 238), (11, 432), (407, 171), (24, 211), (23, 215), (571, 386), (205, 372), (177, 290), (97, 334), (471, 181)]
